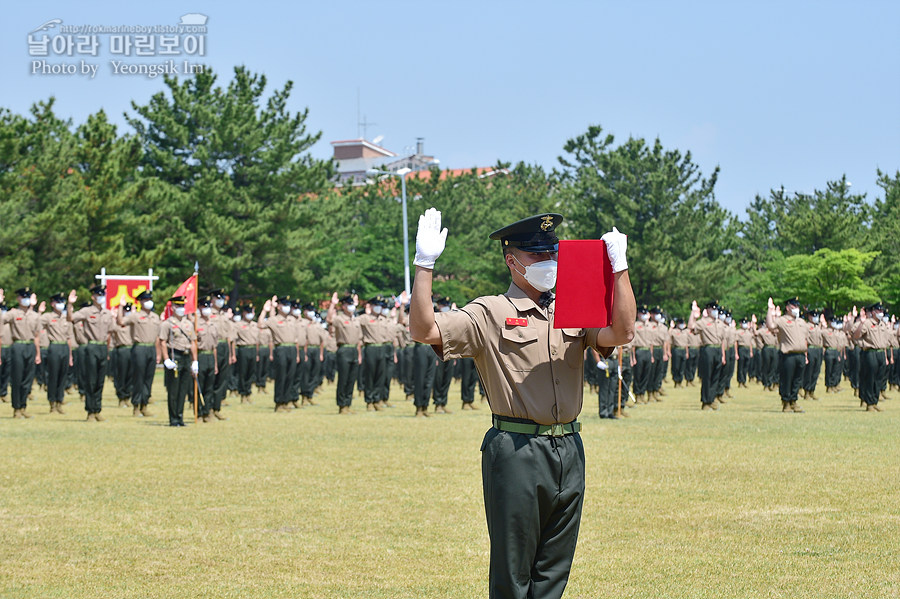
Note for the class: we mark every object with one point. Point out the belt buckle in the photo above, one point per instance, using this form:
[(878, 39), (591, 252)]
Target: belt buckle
[(556, 430)]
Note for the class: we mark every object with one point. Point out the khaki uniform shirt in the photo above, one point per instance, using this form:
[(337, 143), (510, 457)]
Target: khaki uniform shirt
[(745, 338), (791, 333), (695, 340), (711, 330), (121, 335), (679, 337), (869, 333), (78, 330), (643, 335), (5, 335), (177, 332), (97, 323), (330, 342), (370, 325), (57, 327), (207, 333), (24, 325), (767, 337), (347, 329), (530, 369), (265, 337), (315, 334), (300, 333), (282, 328), (223, 325), (246, 333), (144, 326), (832, 339), (814, 337)]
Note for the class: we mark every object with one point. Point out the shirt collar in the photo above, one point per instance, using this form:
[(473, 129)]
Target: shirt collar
[(521, 301)]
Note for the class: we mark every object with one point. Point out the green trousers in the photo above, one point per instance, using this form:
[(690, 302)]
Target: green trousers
[(95, 363)]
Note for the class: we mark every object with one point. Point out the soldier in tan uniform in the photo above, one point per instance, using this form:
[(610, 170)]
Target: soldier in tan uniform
[(284, 352), (180, 349), (59, 350), (221, 316), (146, 350), (348, 335), (693, 359), (712, 350), (642, 355), (834, 341), (315, 353), (263, 350), (120, 361), (300, 333), (815, 353), (867, 336), (679, 341), (246, 341), (97, 324), (207, 360), (791, 332), (769, 352), (532, 457), (745, 345), (5, 353), (377, 348), (25, 354)]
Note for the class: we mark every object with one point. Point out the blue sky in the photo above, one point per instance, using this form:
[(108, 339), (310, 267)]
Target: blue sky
[(775, 93)]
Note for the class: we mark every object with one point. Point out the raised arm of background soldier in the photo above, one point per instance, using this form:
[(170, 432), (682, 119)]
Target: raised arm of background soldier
[(120, 314), (430, 242), (266, 311), (332, 309), (770, 314), (858, 330), (695, 314), (70, 305)]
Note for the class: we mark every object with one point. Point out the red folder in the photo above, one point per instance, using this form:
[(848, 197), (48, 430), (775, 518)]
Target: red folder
[(584, 285)]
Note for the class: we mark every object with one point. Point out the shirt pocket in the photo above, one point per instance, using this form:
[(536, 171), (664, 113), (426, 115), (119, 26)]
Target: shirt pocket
[(519, 348), (573, 347)]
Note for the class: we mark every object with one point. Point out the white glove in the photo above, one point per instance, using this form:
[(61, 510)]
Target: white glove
[(602, 365), (616, 244), (430, 239), (169, 364), (195, 366)]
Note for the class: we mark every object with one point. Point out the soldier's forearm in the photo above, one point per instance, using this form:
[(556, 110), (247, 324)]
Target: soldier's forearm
[(422, 327)]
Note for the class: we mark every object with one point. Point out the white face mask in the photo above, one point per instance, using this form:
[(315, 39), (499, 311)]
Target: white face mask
[(376, 309), (713, 313), (310, 314), (658, 317), (205, 311), (815, 319), (25, 302), (250, 315), (59, 307), (745, 325), (285, 310), (540, 275), (236, 317), (148, 305), (728, 320), (722, 316), (219, 302), (100, 299), (837, 325), (296, 311), (179, 311), (445, 308), (795, 312), (349, 308), (681, 327), (645, 317)]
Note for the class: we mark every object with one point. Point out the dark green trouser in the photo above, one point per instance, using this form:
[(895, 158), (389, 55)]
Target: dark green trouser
[(55, 367), (678, 362), (533, 495), (710, 368), (468, 379), (790, 375), (122, 374), (813, 369), (406, 358), (206, 382), (883, 367), (591, 376), (642, 370), (224, 375), (374, 358), (443, 375), (143, 367), (608, 384), (329, 368), (834, 367), (179, 384), (347, 364), (299, 376), (658, 370), (690, 367), (78, 358), (21, 373), (424, 365), (311, 372), (284, 364), (262, 366), (854, 357), (95, 361), (5, 356), (727, 372), (769, 366), (868, 375), (246, 366), (743, 364)]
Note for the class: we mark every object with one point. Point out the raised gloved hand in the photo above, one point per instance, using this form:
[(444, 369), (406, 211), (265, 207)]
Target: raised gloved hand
[(602, 365), (195, 366), (169, 364), (616, 244), (430, 239)]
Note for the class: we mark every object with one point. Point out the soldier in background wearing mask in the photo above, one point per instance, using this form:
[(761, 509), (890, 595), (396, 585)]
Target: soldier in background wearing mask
[(348, 336), (815, 354), (679, 341), (146, 350), (642, 356), (178, 344), (745, 343), (791, 332), (59, 350), (25, 354), (712, 350), (834, 341), (284, 352), (97, 325)]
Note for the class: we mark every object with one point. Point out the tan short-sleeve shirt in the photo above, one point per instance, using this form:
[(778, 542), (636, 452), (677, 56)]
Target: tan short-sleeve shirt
[(791, 333), (711, 330), (177, 332), (57, 327), (97, 322), (814, 336), (207, 333), (347, 330), (144, 326), (282, 328), (24, 325), (530, 369), (246, 333)]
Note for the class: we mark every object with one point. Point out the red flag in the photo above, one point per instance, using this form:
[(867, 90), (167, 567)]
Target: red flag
[(189, 290), (584, 285)]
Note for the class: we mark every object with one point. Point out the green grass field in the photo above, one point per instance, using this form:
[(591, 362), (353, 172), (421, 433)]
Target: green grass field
[(743, 502)]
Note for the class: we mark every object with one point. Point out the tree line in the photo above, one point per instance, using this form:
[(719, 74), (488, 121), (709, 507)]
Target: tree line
[(222, 175)]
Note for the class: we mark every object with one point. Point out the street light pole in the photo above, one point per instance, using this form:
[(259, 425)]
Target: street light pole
[(402, 174)]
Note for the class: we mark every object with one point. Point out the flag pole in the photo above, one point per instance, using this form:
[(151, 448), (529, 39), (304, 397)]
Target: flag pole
[(619, 377), (196, 324)]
